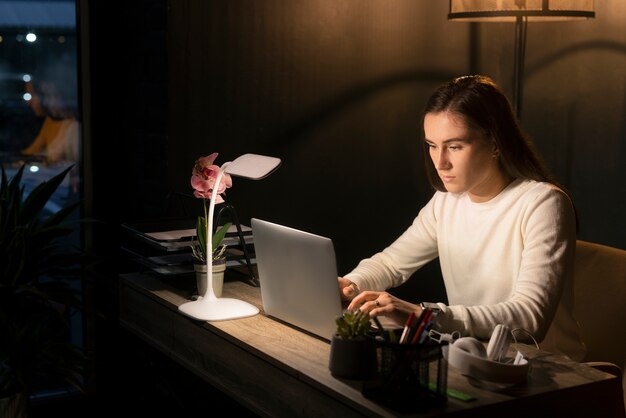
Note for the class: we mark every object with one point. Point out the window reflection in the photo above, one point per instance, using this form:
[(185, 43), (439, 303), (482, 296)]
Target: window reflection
[(39, 116), (39, 113)]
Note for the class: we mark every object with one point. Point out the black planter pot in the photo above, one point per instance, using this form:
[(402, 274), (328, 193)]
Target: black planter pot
[(353, 358)]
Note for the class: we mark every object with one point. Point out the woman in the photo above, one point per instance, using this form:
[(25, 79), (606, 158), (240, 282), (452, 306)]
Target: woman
[(504, 233), (58, 138)]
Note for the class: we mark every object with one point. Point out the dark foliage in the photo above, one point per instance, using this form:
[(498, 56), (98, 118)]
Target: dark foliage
[(39, 289)]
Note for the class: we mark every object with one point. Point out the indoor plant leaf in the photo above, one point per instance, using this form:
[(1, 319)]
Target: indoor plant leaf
[(37, 288)]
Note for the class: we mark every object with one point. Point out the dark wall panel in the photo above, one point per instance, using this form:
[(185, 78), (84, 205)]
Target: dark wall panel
[(335, 89)]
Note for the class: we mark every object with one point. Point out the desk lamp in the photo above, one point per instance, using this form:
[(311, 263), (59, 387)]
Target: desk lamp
[(209, 307), (519, 11)]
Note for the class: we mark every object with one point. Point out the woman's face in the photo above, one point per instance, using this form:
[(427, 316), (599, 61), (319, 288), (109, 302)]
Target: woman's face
[(465, 160)]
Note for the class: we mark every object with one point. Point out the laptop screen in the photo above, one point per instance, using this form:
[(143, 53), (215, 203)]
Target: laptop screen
[(298, 277)]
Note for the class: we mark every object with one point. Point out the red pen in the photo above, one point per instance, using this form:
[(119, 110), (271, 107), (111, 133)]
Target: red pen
[(420, 327), (407, 326)]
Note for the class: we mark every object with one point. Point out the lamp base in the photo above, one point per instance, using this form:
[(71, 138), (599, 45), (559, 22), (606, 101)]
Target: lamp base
[(220, 309)]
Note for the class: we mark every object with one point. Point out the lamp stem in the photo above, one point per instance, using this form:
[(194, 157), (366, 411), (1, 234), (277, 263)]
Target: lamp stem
[(209, 293), (518, 71)]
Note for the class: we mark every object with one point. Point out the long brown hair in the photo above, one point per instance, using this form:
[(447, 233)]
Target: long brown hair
[(483, 106)]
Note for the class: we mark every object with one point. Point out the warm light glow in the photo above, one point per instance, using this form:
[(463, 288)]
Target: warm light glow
[(521, 12), (509, 10)]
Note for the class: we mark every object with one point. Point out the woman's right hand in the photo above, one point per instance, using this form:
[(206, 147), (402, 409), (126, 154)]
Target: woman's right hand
[(347, 289)]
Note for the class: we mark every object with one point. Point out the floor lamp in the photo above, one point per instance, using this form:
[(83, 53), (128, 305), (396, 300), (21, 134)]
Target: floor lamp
[(520, 12), (209, 307)]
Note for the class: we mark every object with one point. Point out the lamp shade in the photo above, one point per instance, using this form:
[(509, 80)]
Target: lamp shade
[(509, 10), (252, 166)]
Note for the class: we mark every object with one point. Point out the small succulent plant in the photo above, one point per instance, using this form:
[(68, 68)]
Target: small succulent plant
[(353, 324)]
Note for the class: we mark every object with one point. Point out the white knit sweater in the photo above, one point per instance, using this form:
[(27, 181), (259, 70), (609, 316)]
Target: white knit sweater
[(506, 261)]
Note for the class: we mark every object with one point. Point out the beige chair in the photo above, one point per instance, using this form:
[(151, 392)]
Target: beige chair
[(600, 307)]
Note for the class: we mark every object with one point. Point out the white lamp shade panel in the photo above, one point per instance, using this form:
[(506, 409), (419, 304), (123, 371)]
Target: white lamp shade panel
[(252, 166)]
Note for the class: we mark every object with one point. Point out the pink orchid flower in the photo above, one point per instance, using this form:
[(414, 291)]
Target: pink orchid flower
[(203, 178)]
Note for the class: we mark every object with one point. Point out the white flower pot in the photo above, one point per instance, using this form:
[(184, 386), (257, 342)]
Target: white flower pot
[(218, 277)]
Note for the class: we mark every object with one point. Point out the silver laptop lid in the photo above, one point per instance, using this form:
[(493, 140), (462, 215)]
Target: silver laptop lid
[(298, 277)]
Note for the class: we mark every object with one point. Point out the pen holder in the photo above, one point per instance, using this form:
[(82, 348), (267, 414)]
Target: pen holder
[(409, 377)]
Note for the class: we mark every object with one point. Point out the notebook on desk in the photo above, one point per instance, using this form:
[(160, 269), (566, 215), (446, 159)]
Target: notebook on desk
[(298, 277)]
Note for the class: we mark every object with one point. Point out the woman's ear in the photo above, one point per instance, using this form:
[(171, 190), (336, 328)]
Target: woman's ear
[(495, 152)]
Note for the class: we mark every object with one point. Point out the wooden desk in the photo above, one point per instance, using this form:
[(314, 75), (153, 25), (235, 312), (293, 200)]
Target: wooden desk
[(276, 370)]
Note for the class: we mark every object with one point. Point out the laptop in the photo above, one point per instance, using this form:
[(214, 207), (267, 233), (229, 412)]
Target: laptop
[(298, 277)]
